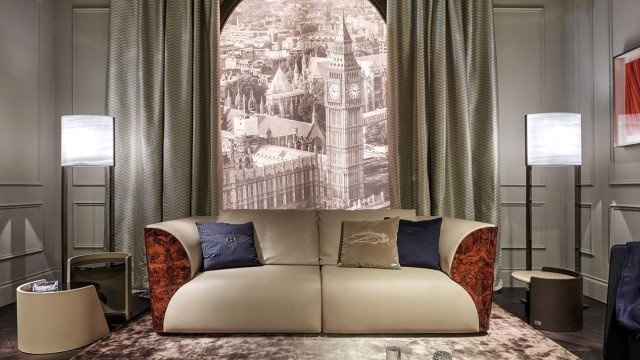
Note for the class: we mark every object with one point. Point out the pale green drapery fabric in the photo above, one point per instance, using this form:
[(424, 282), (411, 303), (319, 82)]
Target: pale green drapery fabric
[(443, 109), (162, 90)]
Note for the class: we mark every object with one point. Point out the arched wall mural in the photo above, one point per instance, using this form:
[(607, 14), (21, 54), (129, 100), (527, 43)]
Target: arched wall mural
[(303, 98), (227, 7)]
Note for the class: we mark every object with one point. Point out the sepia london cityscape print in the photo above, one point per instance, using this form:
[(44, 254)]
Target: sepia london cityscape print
[(303, 97)]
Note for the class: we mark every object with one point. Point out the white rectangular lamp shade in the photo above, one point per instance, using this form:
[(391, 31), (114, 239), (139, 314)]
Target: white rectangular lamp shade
[(553, 139), (87, 140)]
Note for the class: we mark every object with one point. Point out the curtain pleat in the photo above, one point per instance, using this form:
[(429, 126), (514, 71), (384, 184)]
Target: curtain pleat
[(443, 110), (406, 108), (161, 89)]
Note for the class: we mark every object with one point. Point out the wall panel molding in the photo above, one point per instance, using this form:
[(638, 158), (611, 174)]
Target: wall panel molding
[(539, 174), (87, 177), (39, 247), (579, 42), (24, 279), (78, 105), (620, 208), (94, 226), (614, 180), (583, 250), (7, 288), (37, 181), (537, 226)]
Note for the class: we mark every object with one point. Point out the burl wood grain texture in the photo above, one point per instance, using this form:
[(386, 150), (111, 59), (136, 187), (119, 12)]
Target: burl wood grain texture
[(169, 268), (472, 268)]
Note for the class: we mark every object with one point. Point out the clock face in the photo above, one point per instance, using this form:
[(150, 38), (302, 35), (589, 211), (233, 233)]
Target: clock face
[(354, 91), (334, 91)]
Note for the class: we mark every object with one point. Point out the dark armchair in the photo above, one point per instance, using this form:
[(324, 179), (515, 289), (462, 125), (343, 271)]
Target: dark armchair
[(618, 345)]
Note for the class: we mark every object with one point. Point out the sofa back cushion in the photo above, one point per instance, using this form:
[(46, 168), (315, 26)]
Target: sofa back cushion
[(452, 232), (227, 245), (283, 237), (330, 227), (370, 244)]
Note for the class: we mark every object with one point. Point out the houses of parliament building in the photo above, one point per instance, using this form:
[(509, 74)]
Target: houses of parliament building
[(274, 162)]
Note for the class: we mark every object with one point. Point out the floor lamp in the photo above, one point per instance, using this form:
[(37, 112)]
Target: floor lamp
[(85, 140), (553, 140)]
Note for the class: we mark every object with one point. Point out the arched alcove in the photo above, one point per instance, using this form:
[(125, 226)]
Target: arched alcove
[(299, 82), (227, 6)]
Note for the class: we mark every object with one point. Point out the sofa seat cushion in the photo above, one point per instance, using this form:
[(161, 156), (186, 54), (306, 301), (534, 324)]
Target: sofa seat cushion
[(410, 300), (266, 299)]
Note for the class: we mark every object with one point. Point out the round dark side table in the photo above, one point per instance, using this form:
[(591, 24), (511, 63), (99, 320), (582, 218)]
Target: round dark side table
[(554, 298)]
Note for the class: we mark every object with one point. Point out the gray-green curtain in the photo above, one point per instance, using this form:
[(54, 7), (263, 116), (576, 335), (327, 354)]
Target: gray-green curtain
[(443, 109), (162, 89)]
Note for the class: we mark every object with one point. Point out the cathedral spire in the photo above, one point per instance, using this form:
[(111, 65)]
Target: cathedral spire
[(238, 98), (296, 75), (327, 12), (252, 102), (305, 65), (227, 99), (343, 33), (313, 114), (244, 104)]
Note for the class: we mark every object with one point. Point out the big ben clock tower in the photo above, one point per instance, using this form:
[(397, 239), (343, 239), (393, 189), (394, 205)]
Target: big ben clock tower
[(345, 124)]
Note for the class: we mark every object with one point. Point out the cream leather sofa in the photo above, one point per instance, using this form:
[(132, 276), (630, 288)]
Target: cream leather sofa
[(301, 290)]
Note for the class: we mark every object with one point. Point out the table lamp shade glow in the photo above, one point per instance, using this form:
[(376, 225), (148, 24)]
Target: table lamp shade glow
[(553, 139), (87, 140)]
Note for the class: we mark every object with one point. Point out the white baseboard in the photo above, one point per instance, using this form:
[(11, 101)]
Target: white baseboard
[(8, 290), (595, 288), (508, 281)]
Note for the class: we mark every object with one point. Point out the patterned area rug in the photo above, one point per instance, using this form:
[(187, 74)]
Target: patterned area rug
[(508, 338)]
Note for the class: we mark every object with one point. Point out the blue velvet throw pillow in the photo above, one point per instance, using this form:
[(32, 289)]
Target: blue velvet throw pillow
[(227, 245), (418, 243)]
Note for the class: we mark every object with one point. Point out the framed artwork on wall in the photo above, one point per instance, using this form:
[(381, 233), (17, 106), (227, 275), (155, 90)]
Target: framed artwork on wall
[(626, 98)]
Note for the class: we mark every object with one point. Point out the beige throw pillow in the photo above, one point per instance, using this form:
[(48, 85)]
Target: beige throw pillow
[(371, 244)]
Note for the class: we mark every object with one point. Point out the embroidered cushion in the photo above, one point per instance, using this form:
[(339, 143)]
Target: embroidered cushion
[(227, 245), (370, 244)]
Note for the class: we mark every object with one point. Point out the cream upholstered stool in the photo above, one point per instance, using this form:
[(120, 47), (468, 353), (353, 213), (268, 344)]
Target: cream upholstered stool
[(554, 298), (56, 321)]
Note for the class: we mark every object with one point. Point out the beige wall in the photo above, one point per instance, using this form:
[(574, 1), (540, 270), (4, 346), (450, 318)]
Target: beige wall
[(532, 54), (29, 171), (53, 56), (611, 195), (578, 38)]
